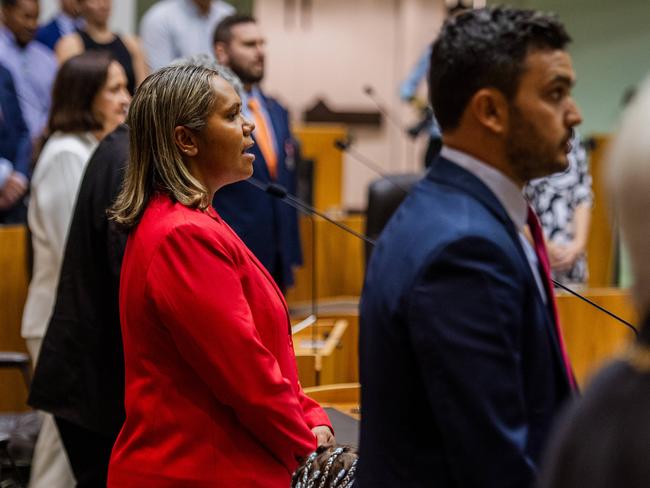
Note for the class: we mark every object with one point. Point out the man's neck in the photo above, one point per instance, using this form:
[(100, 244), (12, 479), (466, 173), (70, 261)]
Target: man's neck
[(484, 153)]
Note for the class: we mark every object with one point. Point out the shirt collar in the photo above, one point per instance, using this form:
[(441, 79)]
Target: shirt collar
[(507, 192)]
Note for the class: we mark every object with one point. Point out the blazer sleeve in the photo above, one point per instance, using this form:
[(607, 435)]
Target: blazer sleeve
[(23, 147), (465, 316), (313, 413), (55, 195), (195, 287)]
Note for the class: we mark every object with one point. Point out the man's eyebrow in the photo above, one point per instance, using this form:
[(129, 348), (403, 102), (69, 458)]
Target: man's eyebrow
[(564, 79)]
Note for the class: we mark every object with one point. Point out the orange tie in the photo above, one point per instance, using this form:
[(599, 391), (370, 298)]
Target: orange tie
[(263, 137)]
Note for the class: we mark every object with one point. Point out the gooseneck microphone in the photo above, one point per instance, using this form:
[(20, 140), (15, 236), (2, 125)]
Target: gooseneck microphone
[(346, 146), (370, 91), (280, 192)]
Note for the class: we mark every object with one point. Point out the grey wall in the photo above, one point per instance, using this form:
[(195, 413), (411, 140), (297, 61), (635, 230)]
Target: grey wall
[(610, 49)]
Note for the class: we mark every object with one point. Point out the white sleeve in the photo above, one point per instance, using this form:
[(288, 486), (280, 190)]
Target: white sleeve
[(56, 193)]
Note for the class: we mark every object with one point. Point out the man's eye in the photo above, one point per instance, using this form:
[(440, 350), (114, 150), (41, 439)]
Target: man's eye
[(557, 94)]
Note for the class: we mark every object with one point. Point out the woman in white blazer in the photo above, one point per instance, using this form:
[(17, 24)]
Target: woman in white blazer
[(89, 100)]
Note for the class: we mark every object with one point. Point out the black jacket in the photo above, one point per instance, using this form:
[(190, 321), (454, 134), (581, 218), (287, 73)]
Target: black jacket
[(80, 371)]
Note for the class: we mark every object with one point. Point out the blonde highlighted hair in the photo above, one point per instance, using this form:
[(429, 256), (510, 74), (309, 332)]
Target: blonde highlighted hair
[(180, 95)]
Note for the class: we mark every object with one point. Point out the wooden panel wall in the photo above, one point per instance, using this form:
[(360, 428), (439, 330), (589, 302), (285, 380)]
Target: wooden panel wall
[(317, 144), (600, 246)]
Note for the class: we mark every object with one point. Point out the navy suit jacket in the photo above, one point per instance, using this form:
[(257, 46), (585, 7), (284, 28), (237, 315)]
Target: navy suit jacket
[(49, 34), (15, 145), (267, 225), (461, 370)]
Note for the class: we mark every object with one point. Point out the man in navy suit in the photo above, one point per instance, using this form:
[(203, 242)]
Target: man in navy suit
[(67, 21), (267, 225), (15, 153), (463, 367)]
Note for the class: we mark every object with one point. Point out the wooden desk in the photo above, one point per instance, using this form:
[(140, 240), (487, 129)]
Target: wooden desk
[(323, 351), (340, 265), (13, 292), (592, 338)]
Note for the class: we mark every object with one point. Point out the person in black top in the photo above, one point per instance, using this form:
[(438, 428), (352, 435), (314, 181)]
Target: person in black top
[(80, 373), (96, 35)]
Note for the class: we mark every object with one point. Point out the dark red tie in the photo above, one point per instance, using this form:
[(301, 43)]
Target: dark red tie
[(542, 257)]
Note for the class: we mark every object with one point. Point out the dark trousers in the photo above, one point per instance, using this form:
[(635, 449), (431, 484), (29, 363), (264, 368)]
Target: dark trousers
[(88, 453)]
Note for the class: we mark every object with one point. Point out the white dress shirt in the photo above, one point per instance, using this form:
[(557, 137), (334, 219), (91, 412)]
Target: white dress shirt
[(509, 195), (173, 29), (54, 188)]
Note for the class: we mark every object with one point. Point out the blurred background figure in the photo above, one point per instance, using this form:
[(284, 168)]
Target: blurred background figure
[(97, 36), (32, 65), (268, 226), (563, 203), (428, 123), (172, 29), (65, 22), (15, 152), (75, 126), (604, 440)]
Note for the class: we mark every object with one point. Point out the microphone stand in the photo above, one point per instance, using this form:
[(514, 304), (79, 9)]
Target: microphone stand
[(346, 146), (279, 192)]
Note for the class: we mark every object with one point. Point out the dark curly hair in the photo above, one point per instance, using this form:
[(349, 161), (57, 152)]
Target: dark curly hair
[(327, 467), (486, 48)]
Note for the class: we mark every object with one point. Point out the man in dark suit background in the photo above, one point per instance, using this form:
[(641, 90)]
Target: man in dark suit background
[(65, 22), (463, 367), (15, 153), (268, 226)]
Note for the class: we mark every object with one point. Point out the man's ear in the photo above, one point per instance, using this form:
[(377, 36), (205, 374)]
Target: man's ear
[(186, 141), (491, 109), (221, 53)]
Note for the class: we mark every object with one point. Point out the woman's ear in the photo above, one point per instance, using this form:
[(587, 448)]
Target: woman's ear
[(186, 141)]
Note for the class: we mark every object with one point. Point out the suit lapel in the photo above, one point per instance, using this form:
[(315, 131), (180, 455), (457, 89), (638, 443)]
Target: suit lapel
[(446, 172)]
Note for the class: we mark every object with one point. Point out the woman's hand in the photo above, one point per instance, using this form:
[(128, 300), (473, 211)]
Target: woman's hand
[(562, 257), (324, 436)]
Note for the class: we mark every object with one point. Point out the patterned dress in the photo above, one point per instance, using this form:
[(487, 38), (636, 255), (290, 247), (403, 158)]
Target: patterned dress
[(555, 199)]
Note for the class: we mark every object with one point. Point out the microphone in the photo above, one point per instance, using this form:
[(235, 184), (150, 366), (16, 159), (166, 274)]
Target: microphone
[(278, 190), (370, 91), (346, 146)]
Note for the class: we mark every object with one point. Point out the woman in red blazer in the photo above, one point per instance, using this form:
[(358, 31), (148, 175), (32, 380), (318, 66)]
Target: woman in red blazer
[(212, 394)]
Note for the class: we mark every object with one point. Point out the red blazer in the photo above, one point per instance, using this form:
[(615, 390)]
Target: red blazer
[(212, 395)]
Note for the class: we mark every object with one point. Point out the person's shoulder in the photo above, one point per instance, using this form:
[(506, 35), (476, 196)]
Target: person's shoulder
[(42, 51), (161, 11), (223, 8)]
